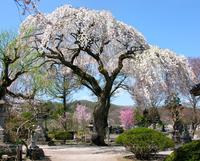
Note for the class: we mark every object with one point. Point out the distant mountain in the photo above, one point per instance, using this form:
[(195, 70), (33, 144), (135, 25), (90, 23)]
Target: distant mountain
[(90, 104)]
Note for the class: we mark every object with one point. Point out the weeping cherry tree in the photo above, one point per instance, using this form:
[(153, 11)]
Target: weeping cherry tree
[(93, 45), (158, 73)]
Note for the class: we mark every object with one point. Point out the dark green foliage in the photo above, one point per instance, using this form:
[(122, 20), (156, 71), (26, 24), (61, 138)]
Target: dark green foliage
[(187, 152), (143, 141), (147, 117)]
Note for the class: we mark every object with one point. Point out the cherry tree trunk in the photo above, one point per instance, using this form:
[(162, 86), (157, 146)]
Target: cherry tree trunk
[(100, 120), (2, 92), (194, 120)]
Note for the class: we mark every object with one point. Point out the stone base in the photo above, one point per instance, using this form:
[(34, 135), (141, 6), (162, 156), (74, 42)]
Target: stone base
[(36, 153)]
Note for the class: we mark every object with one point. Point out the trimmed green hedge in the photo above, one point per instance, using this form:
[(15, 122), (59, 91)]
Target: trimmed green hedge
[(61, 135), (143, 141), (187, 152)]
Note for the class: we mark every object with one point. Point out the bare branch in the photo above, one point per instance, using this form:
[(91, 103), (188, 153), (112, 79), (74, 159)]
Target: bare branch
[(118, 86)]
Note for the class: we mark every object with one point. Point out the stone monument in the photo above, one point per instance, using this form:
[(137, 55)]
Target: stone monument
[(34, 152)]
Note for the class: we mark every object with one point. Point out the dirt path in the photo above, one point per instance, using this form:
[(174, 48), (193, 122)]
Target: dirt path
[(85, 153)]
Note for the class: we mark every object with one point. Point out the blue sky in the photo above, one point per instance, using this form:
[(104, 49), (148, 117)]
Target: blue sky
[(173, 24)]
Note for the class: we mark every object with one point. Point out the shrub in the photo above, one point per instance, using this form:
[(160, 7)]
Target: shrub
[(61, 135), (143, 141), (187, 152)]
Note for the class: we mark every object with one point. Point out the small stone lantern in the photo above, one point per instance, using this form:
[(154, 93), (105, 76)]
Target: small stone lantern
[(34, 152)]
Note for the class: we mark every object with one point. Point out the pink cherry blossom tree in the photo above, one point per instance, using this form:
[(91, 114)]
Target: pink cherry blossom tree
[(82, 117), (126, 118), (81, 114)]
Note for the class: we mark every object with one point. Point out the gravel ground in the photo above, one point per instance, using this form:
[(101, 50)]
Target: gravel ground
[(85, 153)]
